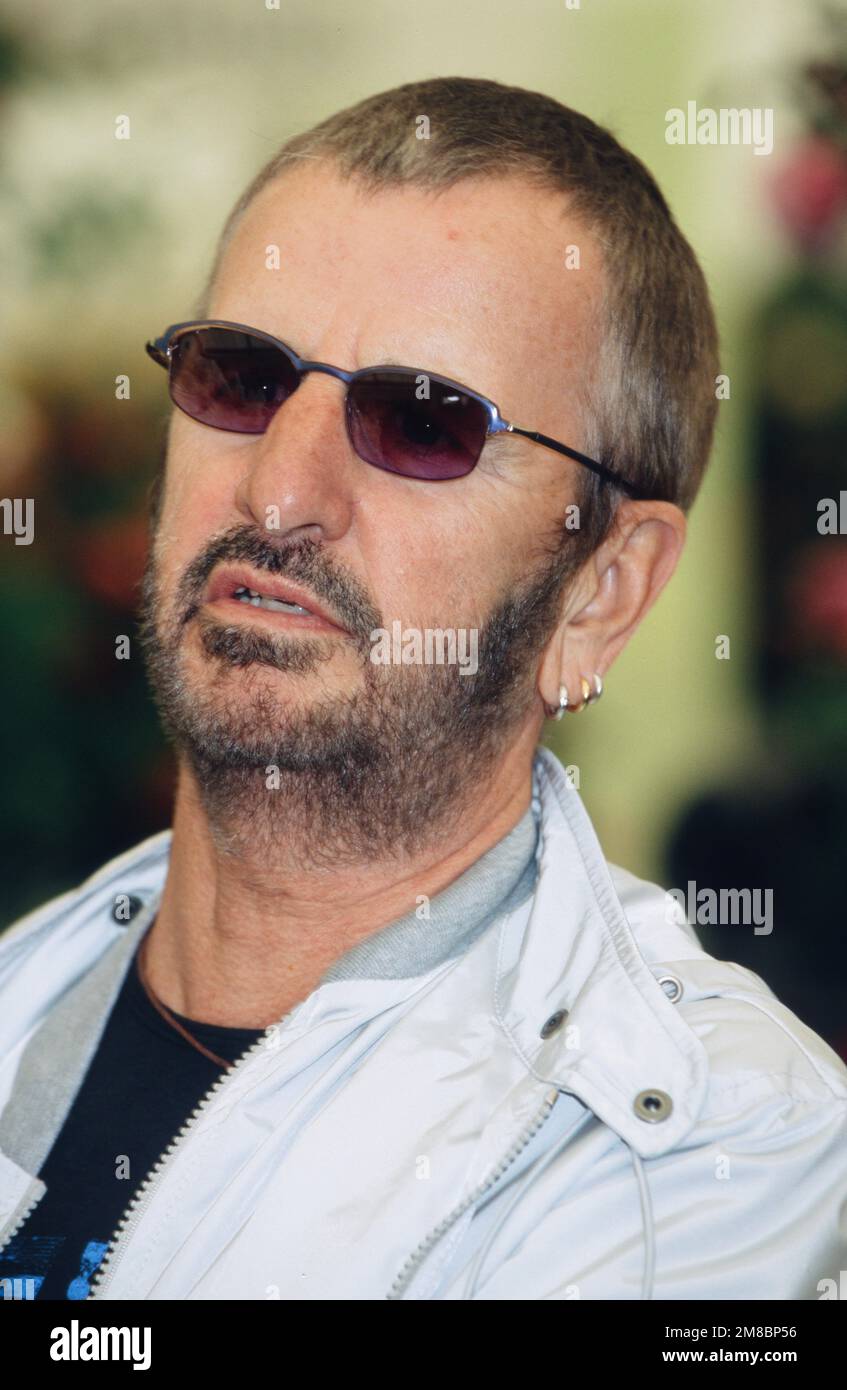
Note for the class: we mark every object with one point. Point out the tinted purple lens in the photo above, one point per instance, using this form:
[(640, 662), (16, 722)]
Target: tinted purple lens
[(393, 428), (229, 379), (404, 422)]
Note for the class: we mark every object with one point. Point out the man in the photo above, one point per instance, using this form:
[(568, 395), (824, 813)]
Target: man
[(376, 1019)]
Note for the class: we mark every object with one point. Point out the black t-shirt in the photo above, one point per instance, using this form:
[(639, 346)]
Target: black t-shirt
[(143, 1082)]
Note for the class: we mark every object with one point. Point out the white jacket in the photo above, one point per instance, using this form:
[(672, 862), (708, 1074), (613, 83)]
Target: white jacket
[(583, 1105)]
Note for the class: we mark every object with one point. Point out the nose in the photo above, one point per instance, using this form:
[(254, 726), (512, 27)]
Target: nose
[(301, 473)]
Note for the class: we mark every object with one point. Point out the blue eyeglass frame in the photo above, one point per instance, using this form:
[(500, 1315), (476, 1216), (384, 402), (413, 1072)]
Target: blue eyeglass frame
[(161, 348)]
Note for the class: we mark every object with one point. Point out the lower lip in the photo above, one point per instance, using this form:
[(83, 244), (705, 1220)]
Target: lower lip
[(230, 608)]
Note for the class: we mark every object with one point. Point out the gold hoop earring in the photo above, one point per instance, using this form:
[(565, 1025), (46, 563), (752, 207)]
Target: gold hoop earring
[(586, 693)]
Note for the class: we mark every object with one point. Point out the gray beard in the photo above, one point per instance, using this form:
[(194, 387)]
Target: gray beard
[(376, 774)]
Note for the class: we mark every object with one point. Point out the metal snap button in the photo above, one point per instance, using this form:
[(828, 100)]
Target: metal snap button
[(652, 1106), (125, 907), (672, 986), (554, 1022)]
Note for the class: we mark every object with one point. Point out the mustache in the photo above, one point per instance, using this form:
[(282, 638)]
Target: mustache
[(304, 561)]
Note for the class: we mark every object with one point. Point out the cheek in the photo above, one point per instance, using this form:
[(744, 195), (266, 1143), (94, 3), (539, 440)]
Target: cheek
[(438, 564), (198, 504)]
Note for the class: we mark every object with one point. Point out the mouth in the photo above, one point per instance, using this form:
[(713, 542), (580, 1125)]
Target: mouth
[(271, 598)]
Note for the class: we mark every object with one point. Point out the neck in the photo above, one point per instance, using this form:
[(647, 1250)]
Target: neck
[(243, 935)]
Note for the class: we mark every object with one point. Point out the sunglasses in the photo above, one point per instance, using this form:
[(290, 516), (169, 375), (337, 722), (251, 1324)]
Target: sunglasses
[(402, 419)]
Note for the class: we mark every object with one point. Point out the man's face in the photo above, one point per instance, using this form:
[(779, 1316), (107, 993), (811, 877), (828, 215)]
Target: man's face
[(471, 284)]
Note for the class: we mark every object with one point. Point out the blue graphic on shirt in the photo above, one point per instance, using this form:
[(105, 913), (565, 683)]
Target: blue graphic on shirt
[(91, 1257), (24, 1264), (27, 1260)]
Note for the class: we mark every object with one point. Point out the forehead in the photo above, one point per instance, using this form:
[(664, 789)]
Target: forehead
[(478, 281)]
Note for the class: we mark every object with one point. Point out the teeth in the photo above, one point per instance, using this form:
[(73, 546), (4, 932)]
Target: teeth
[(273, 605), (277, 605)]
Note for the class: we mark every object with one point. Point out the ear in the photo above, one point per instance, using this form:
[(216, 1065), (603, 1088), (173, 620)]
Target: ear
[(611, 596)]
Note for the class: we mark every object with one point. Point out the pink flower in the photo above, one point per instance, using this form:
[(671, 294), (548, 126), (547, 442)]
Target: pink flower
[(810, 191), (817, 598)]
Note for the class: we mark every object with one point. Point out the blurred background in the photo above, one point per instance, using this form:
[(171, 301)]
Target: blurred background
[(718, 755)]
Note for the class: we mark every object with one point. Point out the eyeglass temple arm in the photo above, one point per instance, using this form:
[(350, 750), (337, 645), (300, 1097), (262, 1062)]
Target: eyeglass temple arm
[(158, 351), (595, 467)]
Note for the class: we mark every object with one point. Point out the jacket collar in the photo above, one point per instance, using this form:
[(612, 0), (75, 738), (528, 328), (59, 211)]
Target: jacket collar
[(570, 949), (622, 1040)]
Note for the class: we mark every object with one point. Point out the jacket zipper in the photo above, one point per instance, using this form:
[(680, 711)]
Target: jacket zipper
[(414, 1261), (143, 1195), (141, 1200)]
